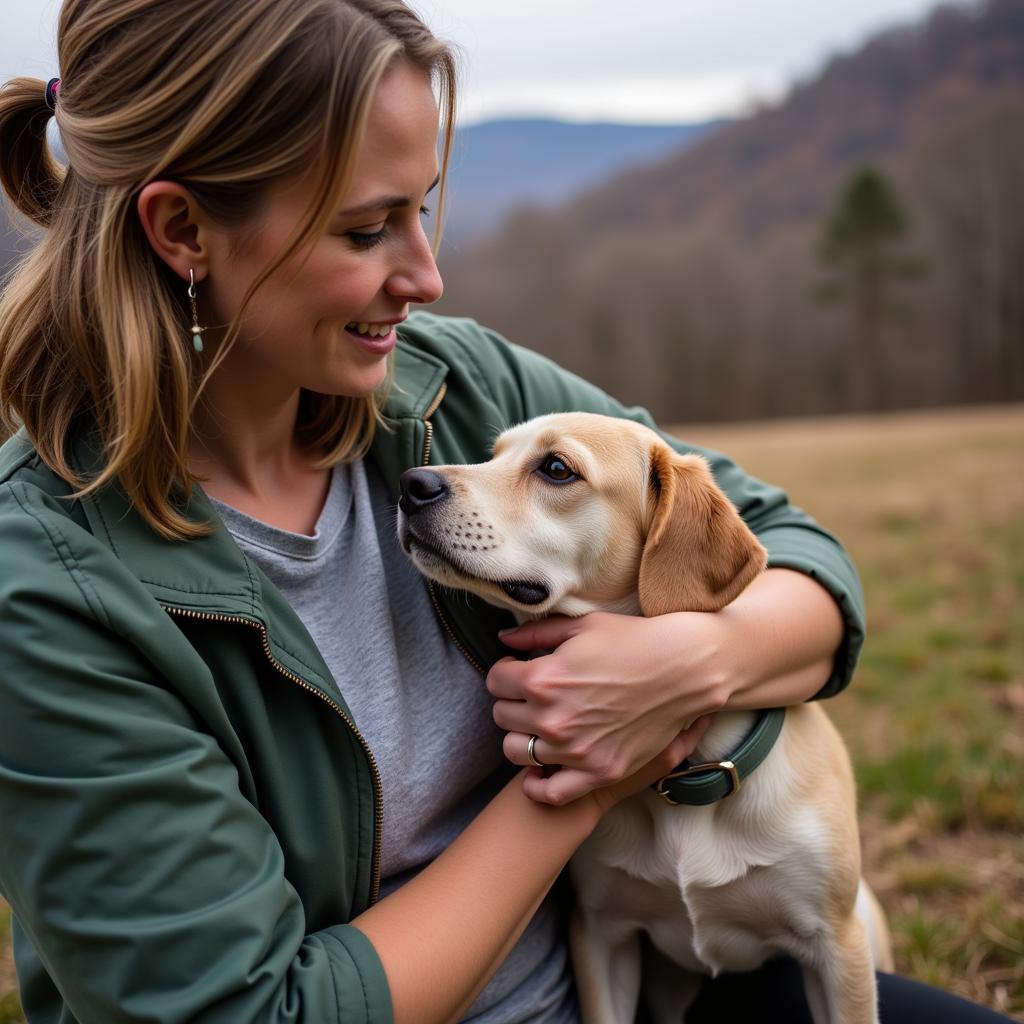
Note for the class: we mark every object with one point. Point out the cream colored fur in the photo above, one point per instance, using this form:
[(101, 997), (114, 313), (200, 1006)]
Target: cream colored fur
[(773, 868)]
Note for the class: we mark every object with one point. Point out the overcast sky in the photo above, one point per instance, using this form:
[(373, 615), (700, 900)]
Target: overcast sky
[(643, 60)]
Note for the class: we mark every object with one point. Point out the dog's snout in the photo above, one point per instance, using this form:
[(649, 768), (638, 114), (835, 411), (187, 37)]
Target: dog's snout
[(420, 488)]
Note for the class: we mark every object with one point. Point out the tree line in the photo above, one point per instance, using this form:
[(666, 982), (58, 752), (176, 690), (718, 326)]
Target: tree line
[(908, 291)]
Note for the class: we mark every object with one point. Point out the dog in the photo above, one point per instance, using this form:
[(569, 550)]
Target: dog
[(576, 513)]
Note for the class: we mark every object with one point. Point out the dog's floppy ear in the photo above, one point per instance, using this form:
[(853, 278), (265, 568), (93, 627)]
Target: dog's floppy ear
[(699, 554)]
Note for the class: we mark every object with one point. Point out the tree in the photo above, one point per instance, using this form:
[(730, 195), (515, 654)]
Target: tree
[(862, 244)]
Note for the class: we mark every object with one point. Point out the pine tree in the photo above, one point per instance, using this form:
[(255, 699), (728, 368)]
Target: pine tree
[(862, 243)]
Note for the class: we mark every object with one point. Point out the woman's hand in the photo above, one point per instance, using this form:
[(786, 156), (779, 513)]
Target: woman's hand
[(613, 694), (616, 690)]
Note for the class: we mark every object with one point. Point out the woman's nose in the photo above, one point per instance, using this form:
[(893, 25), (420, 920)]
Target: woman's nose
[(417, 279)]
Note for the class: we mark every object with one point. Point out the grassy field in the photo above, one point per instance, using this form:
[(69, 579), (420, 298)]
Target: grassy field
[(931, 506)]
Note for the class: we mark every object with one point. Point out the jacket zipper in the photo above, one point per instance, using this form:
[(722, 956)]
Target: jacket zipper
[(428, 441), (378, 803), (431, 586)]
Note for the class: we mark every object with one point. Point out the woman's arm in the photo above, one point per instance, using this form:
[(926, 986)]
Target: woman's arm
[(443, 935), (616, 686), (791, 630)]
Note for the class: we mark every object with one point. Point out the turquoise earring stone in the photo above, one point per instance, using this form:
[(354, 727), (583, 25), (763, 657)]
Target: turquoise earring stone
[(197, 341)]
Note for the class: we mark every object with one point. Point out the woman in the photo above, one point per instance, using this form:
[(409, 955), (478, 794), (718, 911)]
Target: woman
[(248, 770)]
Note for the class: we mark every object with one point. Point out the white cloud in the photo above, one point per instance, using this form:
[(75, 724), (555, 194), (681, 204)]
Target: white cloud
[(650, 98), (650, 60)]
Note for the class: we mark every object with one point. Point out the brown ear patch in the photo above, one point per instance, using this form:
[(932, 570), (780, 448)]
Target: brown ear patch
[(698, 554)]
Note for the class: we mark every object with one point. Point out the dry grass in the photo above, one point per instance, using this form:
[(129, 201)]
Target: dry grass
[(931, 506)]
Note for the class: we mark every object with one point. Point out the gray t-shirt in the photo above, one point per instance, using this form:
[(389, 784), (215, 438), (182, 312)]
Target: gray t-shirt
[(420, 705)]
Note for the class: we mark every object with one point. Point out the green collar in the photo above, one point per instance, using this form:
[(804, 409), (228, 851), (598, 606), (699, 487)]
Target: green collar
[(700, 784)]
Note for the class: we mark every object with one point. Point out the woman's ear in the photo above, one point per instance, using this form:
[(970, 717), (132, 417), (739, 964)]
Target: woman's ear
[(175, 225), (698, 554)]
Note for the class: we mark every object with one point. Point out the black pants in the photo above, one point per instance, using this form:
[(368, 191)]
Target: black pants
[(775, 993)]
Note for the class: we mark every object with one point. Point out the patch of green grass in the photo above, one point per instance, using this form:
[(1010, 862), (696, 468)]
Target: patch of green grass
[(898, 521), (926, 936), (916, 596), (924, 876), (913, 777), (895, 657), (991, 666), (944, 637)]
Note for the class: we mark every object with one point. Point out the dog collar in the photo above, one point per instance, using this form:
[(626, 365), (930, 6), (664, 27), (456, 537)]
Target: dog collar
[(707, 783)]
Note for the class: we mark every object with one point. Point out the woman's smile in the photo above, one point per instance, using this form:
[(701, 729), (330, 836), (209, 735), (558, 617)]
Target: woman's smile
[(375, 338)]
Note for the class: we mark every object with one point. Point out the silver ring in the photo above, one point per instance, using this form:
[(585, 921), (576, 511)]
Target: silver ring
[(531, 756)]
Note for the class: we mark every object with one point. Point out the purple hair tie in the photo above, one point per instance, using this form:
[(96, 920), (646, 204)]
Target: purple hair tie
[(52, 92)]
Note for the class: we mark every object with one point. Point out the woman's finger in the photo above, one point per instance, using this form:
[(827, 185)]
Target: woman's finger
[(514, 716), (693, 733), (506, 679), (542, 634), (516, 746), (559, 787)]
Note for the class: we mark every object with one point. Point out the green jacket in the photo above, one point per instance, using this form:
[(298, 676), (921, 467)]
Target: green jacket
[(188, 814)]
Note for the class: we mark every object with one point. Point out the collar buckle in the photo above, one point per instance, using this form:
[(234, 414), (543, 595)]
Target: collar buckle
[(697, 769)]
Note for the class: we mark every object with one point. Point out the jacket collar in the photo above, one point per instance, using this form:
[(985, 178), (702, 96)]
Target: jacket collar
[(418, 379), (210, 574)]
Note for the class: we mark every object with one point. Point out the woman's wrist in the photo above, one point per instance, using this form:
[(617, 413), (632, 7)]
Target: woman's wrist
[(778, 641), (707, 666)]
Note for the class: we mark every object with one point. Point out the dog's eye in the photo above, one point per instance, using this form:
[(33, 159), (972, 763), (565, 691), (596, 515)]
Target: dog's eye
[(556, 470)]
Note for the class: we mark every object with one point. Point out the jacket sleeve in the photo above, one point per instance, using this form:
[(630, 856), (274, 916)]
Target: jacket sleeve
[(149, 888), (526, 384)]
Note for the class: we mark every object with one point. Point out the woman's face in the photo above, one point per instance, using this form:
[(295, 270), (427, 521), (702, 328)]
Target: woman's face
[(325, 320)]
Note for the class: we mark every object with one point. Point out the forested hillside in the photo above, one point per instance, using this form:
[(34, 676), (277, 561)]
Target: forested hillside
[(699, 285)]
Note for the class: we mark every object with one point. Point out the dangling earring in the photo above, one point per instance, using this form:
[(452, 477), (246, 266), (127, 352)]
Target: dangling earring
[(197, 331)]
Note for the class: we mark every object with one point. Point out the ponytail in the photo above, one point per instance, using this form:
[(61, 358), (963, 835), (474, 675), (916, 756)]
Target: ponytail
[(28, 172)]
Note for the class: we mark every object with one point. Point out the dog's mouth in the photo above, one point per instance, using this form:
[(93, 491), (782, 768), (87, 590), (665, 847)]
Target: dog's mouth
[(525, 592), (430, 558)]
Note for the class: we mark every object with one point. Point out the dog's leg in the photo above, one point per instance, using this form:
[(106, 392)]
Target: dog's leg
[(869, 910), (814, 990), (668, 989), (606, 961), (840, 986)]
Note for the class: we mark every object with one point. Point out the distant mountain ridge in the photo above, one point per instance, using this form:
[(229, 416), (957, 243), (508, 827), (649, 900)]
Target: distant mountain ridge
[(500, 164), (783, 164)]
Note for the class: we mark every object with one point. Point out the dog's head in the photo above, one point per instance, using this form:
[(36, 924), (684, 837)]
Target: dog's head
[(576, 513)]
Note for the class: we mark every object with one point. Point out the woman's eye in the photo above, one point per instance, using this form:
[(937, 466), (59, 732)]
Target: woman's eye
[(556, 470), (367, 239)]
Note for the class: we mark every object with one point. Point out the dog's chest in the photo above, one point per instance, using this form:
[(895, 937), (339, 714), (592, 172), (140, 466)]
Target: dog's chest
[(710, 894)]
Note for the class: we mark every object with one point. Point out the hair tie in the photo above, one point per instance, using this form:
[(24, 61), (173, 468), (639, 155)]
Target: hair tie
[(52, 92)]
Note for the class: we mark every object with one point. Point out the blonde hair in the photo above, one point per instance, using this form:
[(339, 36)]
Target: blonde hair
[(227, 99)]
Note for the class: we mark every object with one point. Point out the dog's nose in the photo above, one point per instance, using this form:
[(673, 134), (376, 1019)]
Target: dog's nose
[(420, 488)]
